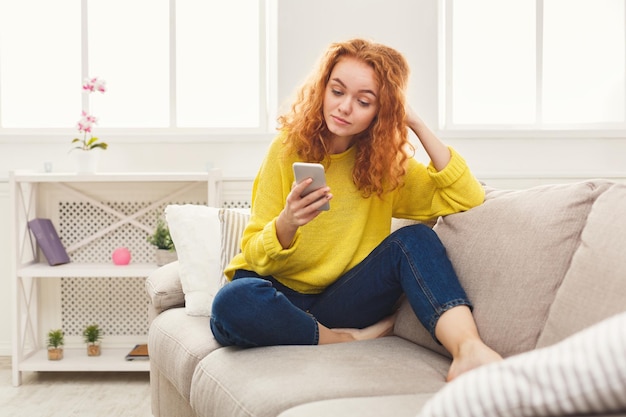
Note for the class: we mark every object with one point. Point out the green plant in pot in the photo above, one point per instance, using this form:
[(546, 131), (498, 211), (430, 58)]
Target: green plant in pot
[(162, 241), (56, 340), (92, 335)]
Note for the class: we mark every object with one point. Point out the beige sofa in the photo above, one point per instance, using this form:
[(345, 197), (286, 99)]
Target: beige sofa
[(540, 265)]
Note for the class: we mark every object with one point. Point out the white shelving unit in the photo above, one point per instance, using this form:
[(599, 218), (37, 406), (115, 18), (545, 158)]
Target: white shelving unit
[(36, 285)]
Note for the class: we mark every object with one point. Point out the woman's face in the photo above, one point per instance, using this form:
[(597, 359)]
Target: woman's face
[(351, 98)]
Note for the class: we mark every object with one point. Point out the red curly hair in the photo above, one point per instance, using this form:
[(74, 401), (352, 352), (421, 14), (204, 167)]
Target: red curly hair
[(383, 149)]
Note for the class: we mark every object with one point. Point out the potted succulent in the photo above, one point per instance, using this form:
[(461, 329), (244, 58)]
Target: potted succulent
[(162, 241), (55, 344), (86, 159), (92, 335)]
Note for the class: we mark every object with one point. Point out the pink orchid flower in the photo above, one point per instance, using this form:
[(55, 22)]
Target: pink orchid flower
[(86, 122), (94, 84)]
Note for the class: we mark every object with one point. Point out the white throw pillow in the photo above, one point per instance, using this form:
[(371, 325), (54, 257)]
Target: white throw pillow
[(195, 230), (585, 373)]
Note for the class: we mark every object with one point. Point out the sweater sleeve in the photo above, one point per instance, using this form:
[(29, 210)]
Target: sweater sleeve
[(428, 193), (261, 250)]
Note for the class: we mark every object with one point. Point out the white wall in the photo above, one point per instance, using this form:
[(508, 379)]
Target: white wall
[(305, 28)]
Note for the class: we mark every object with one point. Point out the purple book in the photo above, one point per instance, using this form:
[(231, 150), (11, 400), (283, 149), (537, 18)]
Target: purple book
[(48, 241)]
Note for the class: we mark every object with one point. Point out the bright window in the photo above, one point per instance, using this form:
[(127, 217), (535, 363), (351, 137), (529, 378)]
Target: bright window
[(535, 64), (128, 47), (40, 63), (220, 78), (170, 64)]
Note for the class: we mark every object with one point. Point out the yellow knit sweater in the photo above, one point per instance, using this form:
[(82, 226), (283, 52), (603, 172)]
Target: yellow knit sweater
[(337, 240)]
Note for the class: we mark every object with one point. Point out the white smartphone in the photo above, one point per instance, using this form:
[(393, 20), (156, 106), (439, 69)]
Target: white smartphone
[(304, 170)]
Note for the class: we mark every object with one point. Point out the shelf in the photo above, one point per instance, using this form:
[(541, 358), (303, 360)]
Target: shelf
[(76, 360), (77, 270), (99, 211)]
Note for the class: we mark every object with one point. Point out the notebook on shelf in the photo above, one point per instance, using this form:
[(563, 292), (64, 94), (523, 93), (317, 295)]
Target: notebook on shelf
[(138, 352), (48, 241)]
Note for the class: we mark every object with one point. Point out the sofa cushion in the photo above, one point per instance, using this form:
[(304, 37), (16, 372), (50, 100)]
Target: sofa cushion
[(597, 275), (389, 405), (511, 254), (177, 343), (195, 230), (265, 381), (583, 374)]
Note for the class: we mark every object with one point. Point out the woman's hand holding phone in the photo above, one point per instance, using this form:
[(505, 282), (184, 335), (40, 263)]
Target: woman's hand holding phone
[(304, 170), (300, 210), (311, 201)]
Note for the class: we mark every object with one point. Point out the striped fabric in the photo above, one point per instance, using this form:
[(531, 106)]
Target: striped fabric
[(233, 222), (585, 373)]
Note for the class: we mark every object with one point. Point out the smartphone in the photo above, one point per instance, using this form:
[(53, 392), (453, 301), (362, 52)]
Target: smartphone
[(304, 170)]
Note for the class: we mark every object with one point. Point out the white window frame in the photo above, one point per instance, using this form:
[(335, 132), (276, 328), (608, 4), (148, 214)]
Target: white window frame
[(448, 129), (267, 96)]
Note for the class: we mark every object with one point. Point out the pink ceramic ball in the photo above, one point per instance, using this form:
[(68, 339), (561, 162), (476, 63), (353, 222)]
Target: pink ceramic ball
[(121, 256)]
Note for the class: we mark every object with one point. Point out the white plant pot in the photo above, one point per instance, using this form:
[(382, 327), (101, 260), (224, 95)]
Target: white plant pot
[(164, 256), (86, 161)]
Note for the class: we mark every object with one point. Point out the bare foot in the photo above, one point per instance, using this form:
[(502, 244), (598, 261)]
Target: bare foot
[(472, 354), (381, 329)]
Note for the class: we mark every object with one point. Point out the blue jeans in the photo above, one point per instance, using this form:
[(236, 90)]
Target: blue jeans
[(260, 311)]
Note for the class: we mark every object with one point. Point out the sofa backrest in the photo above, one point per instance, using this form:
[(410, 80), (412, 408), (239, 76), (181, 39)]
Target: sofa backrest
[(594, 287), (512, 254)]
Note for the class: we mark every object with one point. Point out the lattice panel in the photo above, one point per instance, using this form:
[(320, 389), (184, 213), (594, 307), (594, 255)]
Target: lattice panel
[(78, 220), (118, 305), (236, 204)]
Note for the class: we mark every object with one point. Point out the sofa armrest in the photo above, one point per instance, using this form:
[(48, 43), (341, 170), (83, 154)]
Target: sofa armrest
[(164, 289)]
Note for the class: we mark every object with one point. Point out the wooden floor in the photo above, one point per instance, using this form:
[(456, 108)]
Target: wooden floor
[(74, 394)]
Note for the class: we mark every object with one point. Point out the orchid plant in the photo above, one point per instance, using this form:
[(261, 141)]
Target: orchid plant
[(87, 121)]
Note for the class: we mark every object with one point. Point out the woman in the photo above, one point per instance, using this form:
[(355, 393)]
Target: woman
[(307, 276)]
